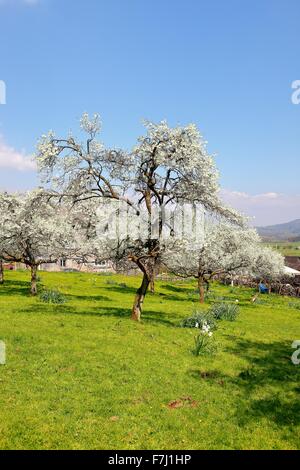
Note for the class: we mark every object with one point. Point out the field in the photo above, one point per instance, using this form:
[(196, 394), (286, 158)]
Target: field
[(82, 375), (285, 248)]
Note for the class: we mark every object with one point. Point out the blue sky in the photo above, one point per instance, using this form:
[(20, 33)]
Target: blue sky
[(227, 66)]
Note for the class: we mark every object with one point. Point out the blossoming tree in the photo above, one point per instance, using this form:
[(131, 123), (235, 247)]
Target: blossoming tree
[(34, 231), (168, 166), (269, 264), (225, 249)]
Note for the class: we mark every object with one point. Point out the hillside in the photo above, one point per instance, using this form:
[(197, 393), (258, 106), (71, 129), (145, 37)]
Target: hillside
[(289, 231)]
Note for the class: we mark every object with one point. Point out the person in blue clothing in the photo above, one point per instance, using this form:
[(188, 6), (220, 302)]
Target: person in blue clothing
[(263, 288)]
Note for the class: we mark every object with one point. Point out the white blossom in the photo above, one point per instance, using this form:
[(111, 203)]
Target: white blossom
[(226, 249), (90, 125), (33, 231), (168, 166)]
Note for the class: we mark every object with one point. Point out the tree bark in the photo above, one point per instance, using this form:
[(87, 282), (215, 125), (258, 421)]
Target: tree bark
[(34, 280), (152, 285), (139, 299), (1, 272), (201, 290)]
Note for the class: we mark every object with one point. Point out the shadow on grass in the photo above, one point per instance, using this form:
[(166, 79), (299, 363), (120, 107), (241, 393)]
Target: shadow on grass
[(159, 318), (44, 308), (147, 316), (162, 295), (22, 288), (94, 298), (122, 290), (179, 289), (271, 371), (13, 288), (52, 309), (268, 389), (176, 298)]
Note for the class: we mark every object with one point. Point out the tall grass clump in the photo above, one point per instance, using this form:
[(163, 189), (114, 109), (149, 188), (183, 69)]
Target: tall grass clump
[(52, 296), (224, 311)]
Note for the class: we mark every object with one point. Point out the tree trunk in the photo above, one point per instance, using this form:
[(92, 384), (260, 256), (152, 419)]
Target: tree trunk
[(34, 280), (152, 276), (1, 272), (139, 299), (201, 290), (152, 283)]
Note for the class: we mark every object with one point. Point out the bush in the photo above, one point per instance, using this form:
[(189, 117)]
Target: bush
[(52, 297), (223, 311), (198, 319)]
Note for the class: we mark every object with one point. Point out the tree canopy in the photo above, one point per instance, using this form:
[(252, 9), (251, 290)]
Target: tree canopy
[(168, 167)]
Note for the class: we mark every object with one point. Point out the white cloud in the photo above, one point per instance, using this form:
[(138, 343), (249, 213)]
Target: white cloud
[(11, 158), (267, 208)]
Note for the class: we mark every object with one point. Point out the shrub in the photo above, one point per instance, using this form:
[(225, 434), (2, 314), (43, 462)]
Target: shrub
[(52, 297), (223, 311), (199, 319)]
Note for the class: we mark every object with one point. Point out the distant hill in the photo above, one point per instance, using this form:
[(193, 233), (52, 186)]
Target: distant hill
[(286, 232)]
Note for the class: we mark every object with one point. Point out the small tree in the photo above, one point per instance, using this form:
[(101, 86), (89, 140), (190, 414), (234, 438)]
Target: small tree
[(5, 207), (225, 249), (33, 231), (269, 265)]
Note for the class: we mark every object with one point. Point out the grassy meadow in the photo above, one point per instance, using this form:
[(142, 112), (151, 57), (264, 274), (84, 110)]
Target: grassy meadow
[(82, 375), (285, 248)]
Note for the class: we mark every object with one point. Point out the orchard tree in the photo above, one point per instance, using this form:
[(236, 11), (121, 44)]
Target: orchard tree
[(225, 249), (34, 231), (269, 265), (167, 167), (5, 204)]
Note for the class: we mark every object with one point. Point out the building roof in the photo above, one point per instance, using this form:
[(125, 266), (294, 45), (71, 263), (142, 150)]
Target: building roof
[(291, 271)]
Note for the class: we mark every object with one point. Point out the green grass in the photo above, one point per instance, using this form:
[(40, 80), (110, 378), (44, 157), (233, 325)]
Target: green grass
[(285, 248), (82, 375)]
